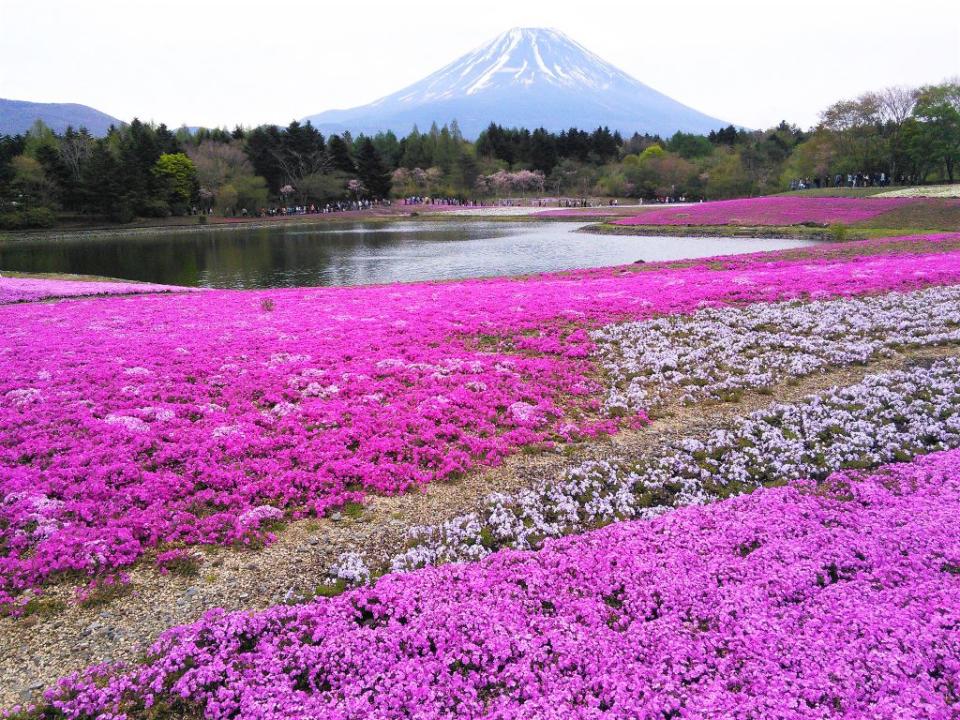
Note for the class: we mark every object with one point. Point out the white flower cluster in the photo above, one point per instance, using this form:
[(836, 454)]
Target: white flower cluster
[(718, 351), (128, 422), (926, 191), (21, 397), (884, 418), (351, 568)]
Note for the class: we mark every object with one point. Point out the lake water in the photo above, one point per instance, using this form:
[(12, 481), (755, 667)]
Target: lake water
[(354, 253)]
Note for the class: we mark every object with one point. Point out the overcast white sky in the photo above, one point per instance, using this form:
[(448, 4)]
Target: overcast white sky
[(210, 62)]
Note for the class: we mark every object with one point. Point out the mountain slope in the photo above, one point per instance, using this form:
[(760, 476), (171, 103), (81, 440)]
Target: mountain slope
[(525, 77), (16, 116)]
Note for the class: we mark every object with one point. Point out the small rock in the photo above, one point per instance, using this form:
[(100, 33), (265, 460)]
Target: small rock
[(90, 629), (313, 541)]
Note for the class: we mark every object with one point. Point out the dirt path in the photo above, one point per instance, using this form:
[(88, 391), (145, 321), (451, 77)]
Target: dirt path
[(36, 650)]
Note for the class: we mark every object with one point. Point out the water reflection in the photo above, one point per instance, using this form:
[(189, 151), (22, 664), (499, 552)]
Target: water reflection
[(355, 253)]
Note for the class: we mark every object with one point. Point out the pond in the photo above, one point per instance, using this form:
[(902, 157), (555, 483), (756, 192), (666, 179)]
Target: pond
[(354, 253)]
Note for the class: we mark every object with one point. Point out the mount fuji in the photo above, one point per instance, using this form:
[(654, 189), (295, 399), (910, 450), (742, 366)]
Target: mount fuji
[(526, 77)]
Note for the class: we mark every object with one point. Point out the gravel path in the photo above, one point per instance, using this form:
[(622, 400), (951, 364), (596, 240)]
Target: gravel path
[(37, 649)]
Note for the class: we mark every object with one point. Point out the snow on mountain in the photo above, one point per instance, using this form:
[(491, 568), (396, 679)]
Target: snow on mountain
[(520, 58), (528, 77)]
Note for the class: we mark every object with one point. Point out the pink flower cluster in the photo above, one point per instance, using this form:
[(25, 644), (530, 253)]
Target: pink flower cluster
[(172, 559), (786, 603), (14, 290), (128, 423), (774, 210)]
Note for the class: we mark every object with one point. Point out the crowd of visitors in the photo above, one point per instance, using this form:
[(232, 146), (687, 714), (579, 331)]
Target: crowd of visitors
[(441, 200), (427, 200), (850, 180), (501, 202), (311, 209)]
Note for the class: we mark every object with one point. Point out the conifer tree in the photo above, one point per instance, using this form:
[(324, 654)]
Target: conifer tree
[(372, 171)]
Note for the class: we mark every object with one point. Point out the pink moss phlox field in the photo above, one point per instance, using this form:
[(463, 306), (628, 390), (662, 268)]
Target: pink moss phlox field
[(13, 290), (786, 603), (128, 423), (769, 211)]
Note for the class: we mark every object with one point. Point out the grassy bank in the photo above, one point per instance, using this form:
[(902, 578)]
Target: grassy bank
[(799, 232)]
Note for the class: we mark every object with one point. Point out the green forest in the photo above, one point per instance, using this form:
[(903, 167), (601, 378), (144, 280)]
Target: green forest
[(894, 136)]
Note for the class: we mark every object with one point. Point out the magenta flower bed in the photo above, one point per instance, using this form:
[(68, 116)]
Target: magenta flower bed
[(14, 290), (780, 604), (128, 423), (769, 211)]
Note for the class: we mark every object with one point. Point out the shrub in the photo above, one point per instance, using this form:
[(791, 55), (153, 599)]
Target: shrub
[(838, 232), (39, 217), (121, 213), (155, 207), (11, 221)]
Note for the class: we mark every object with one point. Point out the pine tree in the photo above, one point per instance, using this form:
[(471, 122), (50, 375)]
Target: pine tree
[(338, 150), (264, 149), (371, 170), (101, 188)]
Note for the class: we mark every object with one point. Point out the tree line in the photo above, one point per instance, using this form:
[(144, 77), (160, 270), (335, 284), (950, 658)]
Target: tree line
[(906, 135)]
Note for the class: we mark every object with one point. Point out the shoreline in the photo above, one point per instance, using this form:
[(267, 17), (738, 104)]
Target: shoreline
[(594, 224), (260, 224), (798, 232), (492, 213)]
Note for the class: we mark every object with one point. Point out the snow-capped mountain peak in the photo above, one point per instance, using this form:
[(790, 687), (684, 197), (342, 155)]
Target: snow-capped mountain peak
[(528, 77), (518, 58)]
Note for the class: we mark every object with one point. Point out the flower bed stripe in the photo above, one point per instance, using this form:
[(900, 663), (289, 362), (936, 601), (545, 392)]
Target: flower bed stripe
[(886, 417), (717, 352), (787, 603), (770, 211)]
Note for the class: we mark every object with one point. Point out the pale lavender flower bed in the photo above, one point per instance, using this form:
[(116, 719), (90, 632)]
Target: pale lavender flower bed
[(787, 603), (886, 417), (13, 290), (717, 352)]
